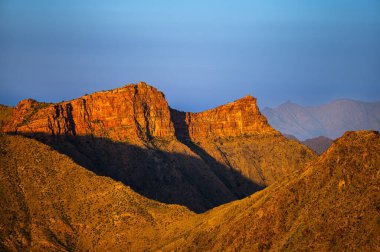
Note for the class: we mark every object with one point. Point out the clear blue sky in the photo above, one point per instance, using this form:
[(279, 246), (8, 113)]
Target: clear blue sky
[(199, 53)]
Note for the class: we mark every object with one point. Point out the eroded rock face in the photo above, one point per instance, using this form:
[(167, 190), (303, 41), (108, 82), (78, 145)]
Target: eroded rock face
[(241, 117), (129, 113), (136, 112)]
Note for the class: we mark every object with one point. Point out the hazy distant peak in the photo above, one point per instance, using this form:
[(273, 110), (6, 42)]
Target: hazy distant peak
[(330, 120), (288, 103)]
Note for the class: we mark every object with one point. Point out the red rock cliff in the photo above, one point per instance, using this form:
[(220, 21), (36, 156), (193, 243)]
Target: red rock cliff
[(241, 117), (136, 112), (128, 113)]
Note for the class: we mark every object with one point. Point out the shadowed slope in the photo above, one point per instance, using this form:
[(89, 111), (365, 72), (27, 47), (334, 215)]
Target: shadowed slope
[(164, 170)]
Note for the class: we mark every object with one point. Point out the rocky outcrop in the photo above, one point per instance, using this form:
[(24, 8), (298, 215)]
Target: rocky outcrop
[(133, 112), (238, 118)]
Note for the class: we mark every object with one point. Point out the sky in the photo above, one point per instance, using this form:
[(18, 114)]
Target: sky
[(201, 54)]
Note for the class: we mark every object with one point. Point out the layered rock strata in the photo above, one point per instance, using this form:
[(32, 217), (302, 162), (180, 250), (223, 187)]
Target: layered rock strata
[(128, 113), (238, 118)]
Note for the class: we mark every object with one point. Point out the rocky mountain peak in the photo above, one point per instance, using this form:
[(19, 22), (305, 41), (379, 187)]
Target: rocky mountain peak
[(134, 112), (241, 117), (27, 103)]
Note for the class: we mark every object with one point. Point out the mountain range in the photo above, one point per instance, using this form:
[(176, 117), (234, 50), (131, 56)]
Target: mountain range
[(330, 120), (121, 170), (200, 160)]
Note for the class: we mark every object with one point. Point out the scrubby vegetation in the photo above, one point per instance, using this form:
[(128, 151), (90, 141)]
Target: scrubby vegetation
[(49, 203), (5, 114)]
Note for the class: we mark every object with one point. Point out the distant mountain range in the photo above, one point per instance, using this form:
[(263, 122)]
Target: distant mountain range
[(329, 120), (318, 144)]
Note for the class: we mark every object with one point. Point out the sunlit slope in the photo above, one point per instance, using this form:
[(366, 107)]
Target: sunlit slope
[(49, 203), (332, 206)]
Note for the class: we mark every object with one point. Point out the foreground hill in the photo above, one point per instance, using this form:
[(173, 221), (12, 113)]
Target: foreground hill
[(332, 206), (330, 120), (49, 203), (200, 160)]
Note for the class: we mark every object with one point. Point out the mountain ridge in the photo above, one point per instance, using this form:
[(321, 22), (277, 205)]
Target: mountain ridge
[(61, 113), (132, 135)]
